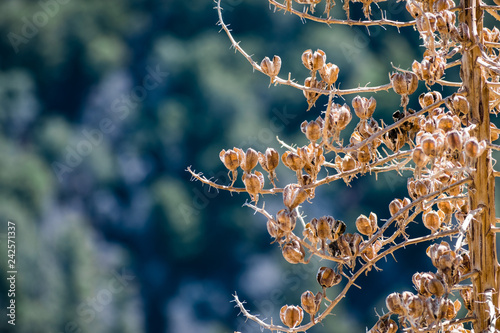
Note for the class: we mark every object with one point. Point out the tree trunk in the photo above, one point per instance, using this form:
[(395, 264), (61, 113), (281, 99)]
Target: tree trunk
[(482, 190)]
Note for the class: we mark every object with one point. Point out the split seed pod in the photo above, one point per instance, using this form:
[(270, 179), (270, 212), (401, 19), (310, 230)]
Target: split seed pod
[(419, 157), (473, 148), (394, 304), (293, 252), (291, 315), (248, 160), (269, 162), (327, 277), (314, 61), (254, 183), (367, 226), (431, 221), (329, 73), (271, 68), (286, 220), (364, 107), (231, 161), (312, 130), (311, 303), (293, 195), (404, 83)]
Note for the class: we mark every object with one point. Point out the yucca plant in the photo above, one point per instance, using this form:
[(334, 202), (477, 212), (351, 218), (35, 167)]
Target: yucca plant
[(446, 145)]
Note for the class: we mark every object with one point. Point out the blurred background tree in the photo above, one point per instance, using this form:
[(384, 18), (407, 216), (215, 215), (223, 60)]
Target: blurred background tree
[(103, 105)]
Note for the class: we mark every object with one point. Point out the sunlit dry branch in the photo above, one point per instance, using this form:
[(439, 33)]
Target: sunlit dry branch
[(443, 149)]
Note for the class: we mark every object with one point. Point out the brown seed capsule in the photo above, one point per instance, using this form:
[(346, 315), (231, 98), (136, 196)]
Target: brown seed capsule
[(435, 287), (415, 306), (460, 105), (271, 68), (310, 302), (419, 157), (431, 221), (291, 315), (454, 140), (274, 230), (313, 61), (404, 83), (364, 107), (473, 148), (270, 160), (395, 206), (428, 143), (394, 304), (367, 226), (248, 160), (371, 251), (327, 278), (446, 123), (445, 206), (329, 73), (312, 130), (254, 183), (429, 98), (467, 297), (422, 187), (348, 163), (293, 252), (292, 161), (230, 159), (286, 220), (293, 195)]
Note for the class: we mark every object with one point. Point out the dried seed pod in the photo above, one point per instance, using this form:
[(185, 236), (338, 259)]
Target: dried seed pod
[(454, 140), (465, 264), (395, 206), (473, 148), (286, 220), (329, 73), (248, 160), (431, 221), (271, 68), (429, 98), (269, 160), (426, 24), (312, 130), (419, 157), (327, 277), (419, 280), (293, 195), (446, 123), (435, 287), (384, 326), (460, 105), (274, 230), (231, 161), (371, 251), (367, 226), (467, 297), (292, 161), (254, 183), (340, 117), (311, 303), (293, 252), (404, 83), (394, 304), (291, 315), (494, 132), (314, 61), (435, 251), (348, 163), (429, 145), (445, 206), (364, 107), (415, 306)]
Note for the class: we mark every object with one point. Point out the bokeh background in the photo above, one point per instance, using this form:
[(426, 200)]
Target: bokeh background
[(103, 106)]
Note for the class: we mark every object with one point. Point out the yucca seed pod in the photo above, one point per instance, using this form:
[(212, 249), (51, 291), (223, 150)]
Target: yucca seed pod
[(286, 220), (364, 107), (419, 157), (367, 226), (291, 315), (429, 145), (312, 130), (395, 206), (435, 287), (293, 252), (394, 304), (431, 221), (429, 98), (254, 183), (404, 83), (294, 195), (473, 148), (329, 73), (311, 303), (415, 306), (327, 277)]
